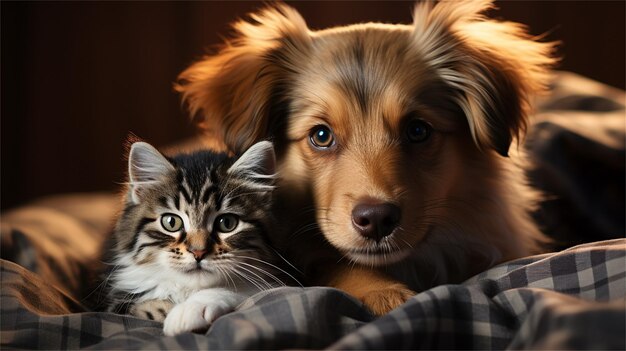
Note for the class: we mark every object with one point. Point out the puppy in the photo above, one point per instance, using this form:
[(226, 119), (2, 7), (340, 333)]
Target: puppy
[(392, 141)]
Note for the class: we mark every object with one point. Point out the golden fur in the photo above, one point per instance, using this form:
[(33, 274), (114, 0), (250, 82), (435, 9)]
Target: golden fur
[(464, 204)]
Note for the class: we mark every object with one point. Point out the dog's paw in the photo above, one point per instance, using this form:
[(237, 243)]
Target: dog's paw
[(384, 300), (155, 310)]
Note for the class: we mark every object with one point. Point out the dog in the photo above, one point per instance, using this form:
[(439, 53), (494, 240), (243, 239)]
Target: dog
[(392, 141)]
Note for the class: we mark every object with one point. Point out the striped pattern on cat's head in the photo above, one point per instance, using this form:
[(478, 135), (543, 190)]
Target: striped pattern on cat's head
[(196, 220)]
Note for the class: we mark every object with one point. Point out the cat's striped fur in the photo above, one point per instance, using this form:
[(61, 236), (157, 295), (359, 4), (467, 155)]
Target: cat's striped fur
[(193, 223)]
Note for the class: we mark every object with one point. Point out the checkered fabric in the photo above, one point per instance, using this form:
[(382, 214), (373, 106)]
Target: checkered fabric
[(572, 299)]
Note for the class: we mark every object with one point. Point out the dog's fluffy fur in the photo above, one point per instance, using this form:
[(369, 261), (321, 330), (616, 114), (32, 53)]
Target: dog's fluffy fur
[(464, 205)]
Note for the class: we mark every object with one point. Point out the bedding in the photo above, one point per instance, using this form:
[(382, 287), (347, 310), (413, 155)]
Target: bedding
[(573, 298)]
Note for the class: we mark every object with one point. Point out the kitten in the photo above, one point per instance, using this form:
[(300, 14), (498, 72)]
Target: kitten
[(191, 243)]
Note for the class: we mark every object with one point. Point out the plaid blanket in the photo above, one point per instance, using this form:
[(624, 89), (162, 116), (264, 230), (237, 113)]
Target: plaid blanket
[(573, 299)]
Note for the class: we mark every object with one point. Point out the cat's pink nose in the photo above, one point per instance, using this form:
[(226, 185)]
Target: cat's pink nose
[(199, 254)]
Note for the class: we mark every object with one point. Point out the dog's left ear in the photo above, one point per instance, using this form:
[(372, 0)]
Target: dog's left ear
[(493, 67), (232, 91)]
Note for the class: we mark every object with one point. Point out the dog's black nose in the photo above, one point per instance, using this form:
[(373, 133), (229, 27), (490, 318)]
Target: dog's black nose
[(375, 220)]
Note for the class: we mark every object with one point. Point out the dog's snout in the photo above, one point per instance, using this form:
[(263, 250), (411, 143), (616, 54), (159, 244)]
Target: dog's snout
[(375, 220)]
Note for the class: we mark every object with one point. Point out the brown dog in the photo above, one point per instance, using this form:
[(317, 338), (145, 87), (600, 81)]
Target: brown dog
[(392, 140)]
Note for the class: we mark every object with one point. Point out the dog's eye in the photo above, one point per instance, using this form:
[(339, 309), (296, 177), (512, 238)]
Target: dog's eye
[(171, 222), (226, 223), (321, 137), (418, 131)]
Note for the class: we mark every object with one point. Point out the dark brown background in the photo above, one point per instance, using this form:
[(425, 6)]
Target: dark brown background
[(77, 77)]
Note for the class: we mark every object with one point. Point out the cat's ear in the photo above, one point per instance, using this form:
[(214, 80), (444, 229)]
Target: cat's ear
[(258, 161), (146, 166)]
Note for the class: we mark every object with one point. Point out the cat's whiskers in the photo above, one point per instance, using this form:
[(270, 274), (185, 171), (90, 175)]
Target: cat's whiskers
[(262, 271), (224, 272), (275, 267), (260, 280), (247, 278), (285, 260), (102, 284)]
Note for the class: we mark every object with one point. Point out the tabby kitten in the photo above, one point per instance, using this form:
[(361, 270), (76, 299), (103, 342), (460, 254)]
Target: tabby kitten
[(191, 242)]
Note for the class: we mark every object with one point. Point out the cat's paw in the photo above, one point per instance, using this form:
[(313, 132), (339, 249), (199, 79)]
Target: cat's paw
[(192, 316), (200, 310), (155, 310), (384, 300)]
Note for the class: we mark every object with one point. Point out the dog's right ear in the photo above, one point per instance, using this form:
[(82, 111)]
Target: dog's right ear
[(494, 67), (232, 90)]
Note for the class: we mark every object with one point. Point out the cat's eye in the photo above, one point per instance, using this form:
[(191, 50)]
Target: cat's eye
[(226, 223), (171, 222), (321, 137), (418, 131)]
